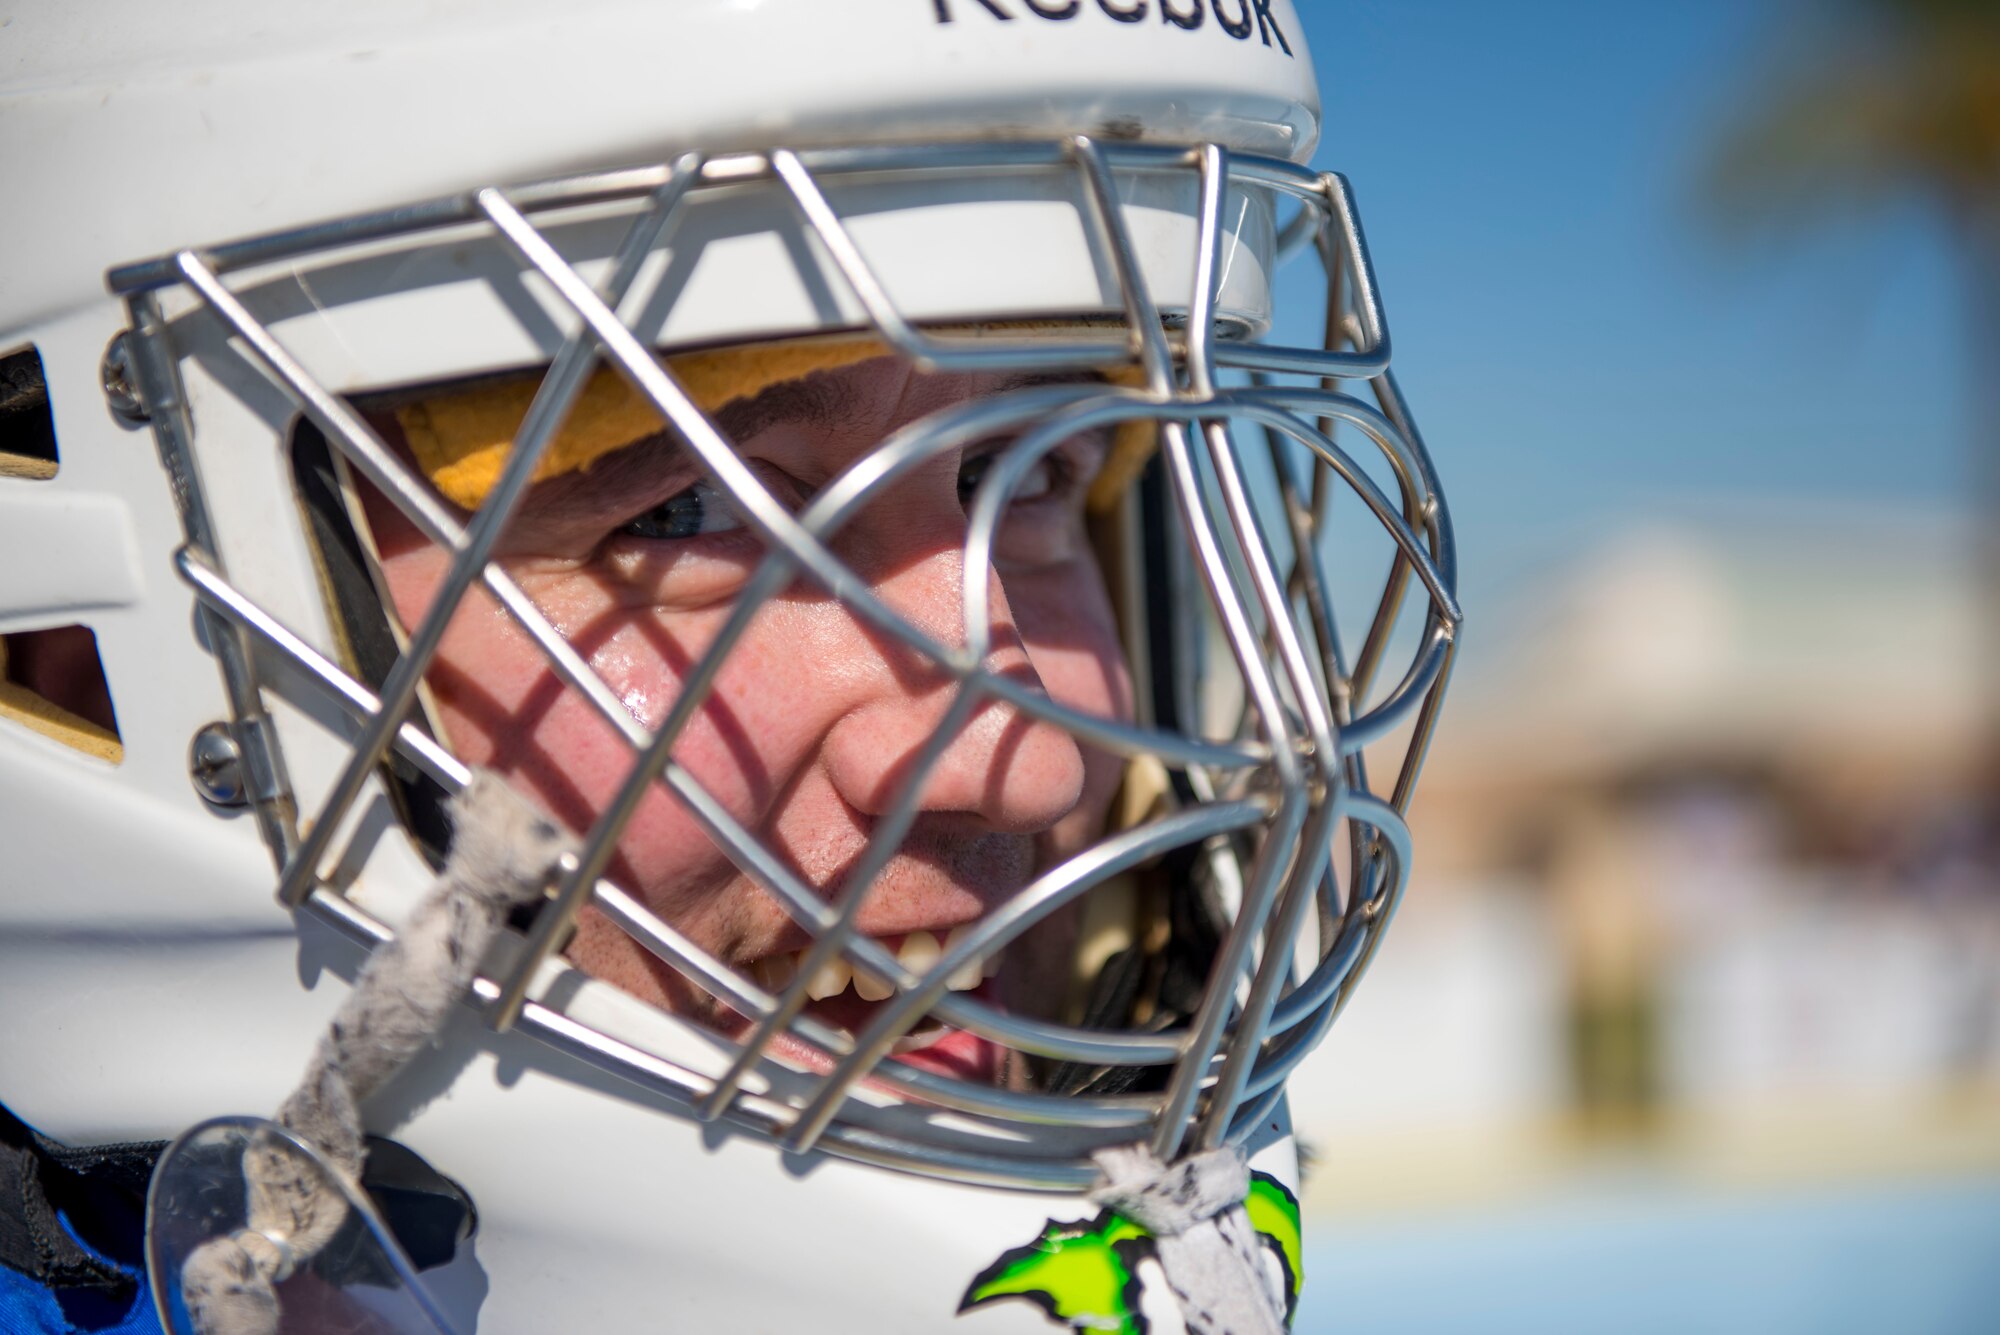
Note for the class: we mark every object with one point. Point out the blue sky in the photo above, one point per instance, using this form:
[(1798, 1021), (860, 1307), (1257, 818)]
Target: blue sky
[(1917, 1258), (1584, 345)]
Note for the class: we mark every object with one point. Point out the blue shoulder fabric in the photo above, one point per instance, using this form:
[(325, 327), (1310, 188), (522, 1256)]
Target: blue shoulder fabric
[(72, 1244), (73, 1219), (30, 1308), (33, 1308)]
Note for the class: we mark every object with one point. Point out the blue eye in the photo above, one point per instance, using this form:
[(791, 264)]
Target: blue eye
[(1041, 479), (687, 514)]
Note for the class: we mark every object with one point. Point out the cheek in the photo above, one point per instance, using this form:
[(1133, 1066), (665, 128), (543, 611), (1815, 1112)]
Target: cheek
[(1065, 620), (504, 707), (1067, 623)]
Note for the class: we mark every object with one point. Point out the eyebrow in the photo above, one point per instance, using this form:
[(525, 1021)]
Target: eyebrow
[(820, 400), (816, 400), (824, 401)]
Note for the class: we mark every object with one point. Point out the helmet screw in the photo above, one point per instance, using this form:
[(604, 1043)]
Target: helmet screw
[(116, 371), (215, 763)]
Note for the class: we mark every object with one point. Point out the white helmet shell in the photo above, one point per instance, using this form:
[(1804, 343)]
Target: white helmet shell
[(160, 129)]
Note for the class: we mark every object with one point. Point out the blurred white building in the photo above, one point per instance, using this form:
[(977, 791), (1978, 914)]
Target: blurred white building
[(1702, 873)]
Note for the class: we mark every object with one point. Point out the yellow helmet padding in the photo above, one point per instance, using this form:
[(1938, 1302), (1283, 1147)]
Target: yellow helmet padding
[(461, 438)]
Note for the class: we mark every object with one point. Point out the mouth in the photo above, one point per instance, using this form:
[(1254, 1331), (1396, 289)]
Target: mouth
[(847, 1000)]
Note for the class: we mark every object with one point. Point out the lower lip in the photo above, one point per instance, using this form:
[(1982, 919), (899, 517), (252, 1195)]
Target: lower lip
[(954, 1052), (957, 1053)]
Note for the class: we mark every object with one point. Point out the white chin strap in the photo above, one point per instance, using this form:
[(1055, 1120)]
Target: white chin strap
[(503, 853)]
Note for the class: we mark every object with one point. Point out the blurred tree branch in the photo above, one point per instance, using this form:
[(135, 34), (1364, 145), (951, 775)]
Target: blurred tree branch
[(1891, 98), (1884, 101)]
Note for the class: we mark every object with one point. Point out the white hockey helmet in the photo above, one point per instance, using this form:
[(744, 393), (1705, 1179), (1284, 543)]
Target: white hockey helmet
[(280, 276)]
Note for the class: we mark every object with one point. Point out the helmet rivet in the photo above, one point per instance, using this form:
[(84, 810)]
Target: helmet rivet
[(215, 763), (116, 371)]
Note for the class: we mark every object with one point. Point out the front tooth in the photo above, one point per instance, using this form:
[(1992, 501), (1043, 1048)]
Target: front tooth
[(777, 971), (870, 988), (831, 979), (968, 975), (920, 951)]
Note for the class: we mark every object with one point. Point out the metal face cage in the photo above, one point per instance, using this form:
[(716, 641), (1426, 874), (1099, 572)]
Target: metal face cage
[(1275, 802)]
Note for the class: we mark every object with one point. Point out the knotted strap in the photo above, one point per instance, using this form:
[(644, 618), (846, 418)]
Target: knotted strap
[(503, 853), (1207, 1246)]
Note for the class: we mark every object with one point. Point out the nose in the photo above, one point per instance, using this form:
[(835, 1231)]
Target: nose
[(1012, 772)]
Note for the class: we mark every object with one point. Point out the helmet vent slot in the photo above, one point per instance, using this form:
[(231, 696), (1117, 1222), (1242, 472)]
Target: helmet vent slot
[(52, 682), (27, 427)]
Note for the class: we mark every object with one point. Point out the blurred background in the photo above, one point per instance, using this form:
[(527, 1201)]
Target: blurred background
[(1691, 1020)]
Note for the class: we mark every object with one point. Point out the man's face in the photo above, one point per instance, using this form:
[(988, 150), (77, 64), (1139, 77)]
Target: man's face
[(814, 718)]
